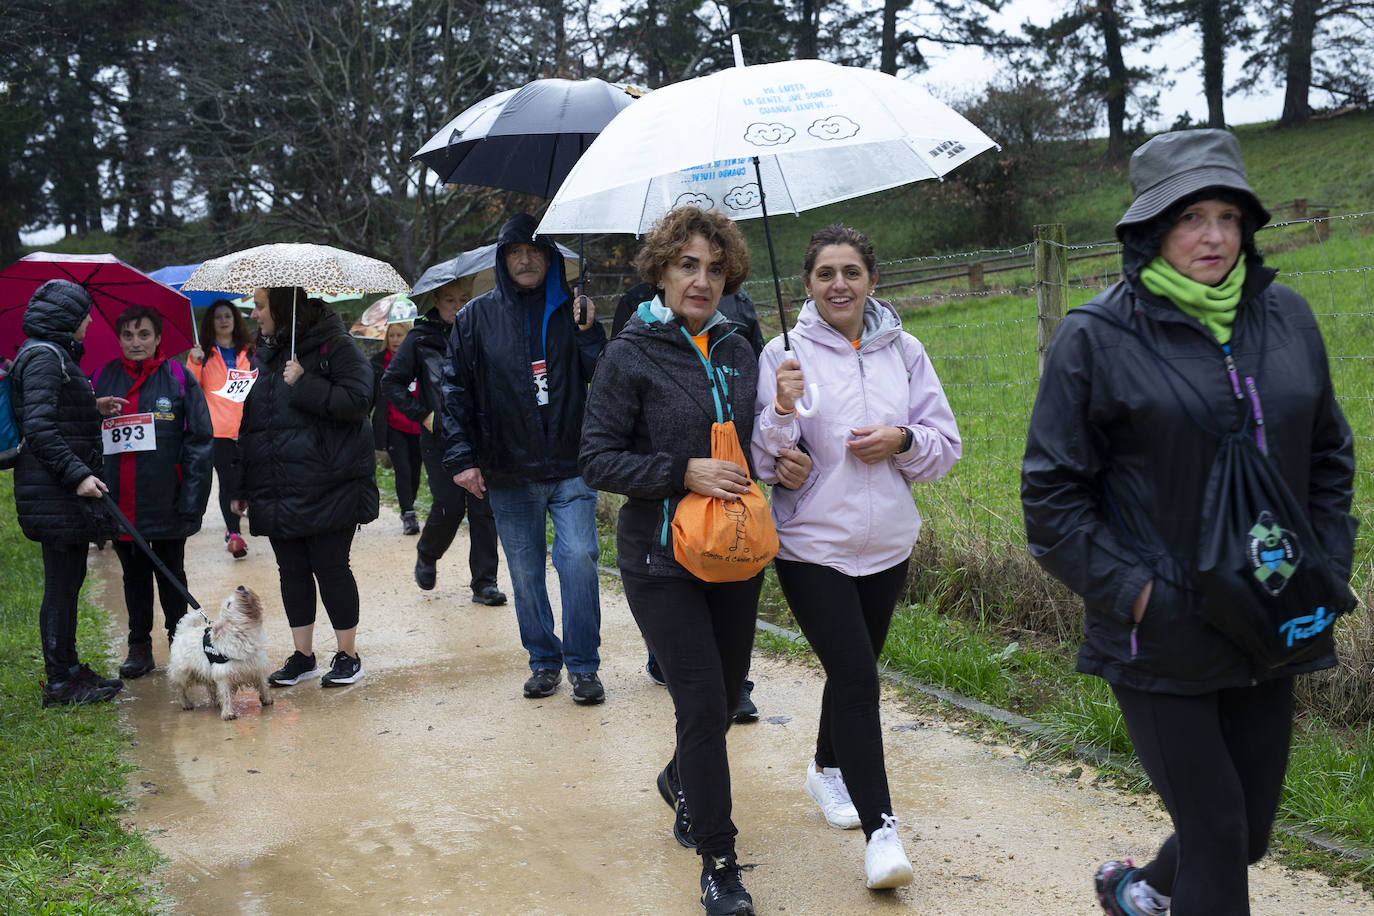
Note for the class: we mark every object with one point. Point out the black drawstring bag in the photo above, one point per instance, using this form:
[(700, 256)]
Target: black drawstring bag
[(1266, 581)]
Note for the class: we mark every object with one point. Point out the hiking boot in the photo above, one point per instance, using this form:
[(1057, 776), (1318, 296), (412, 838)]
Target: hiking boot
[(885, 861), (722, 891), (586, 688), (299, 667), (343, 670), (489, 595), (1121, 892), (83, 674), (235, 544), (828, 790), (75, 693), (139, 662), (425, 571), (655, 672), (542, 683), (746, 711), (408, 523), (670, 787)]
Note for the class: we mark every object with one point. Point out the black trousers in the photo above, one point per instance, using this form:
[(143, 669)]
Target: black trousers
[(404, 449), (64, 569), (139, 574), (1218, 762), (702, 634), (451, 503), (323, 559), (226, 471), (845, 618)]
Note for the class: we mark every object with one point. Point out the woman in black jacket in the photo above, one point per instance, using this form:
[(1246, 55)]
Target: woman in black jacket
[(394, 433), (159, 473), (1113, 482), (308, 473), (55, 484)]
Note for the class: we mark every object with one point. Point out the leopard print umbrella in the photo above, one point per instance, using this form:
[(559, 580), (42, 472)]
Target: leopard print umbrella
[(317, 268)]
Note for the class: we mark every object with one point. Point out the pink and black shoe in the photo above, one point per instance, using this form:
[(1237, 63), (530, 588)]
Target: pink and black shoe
[(235, 544)]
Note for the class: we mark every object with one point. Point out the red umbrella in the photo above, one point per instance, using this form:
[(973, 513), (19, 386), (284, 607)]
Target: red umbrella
[(113, 285)]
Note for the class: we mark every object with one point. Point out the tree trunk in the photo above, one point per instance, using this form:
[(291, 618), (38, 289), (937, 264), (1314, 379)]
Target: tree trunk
[(888, 63), (806, 30), (1213, 60), (1298, 72), (1116, 79)]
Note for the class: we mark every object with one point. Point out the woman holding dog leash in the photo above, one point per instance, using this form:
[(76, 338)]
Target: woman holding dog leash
[(307, 470), (845, 534), (1194, 354)]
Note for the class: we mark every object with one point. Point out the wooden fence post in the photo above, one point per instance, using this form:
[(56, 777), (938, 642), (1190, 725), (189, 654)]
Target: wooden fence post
[(1050, 274), (1300, 208), (1322, 224), (975, 278)]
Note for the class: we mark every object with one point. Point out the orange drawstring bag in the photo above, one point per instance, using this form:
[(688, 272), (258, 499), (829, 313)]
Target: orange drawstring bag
[(720, 540)]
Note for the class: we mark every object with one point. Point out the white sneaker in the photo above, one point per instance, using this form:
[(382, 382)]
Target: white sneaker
[(827, 789), (885, 861)]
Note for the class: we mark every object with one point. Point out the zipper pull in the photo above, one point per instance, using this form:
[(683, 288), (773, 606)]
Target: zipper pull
[(1231, 371), (1135, 645), (1259, 414)]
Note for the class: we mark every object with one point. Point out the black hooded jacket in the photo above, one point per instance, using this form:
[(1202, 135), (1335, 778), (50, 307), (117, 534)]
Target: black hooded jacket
[(55, 406), (492, 418), (1114, 470), (420, 359), (305, 451)]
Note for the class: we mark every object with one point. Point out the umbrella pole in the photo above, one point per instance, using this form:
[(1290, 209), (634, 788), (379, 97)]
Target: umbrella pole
[(581, 279), (772, 261), (295, 294)]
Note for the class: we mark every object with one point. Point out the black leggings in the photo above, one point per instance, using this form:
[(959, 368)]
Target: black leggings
[(702, 634), (845, 618), (64, 569), (404, 449), (139, 573), (1217, 761), (322, 558), (227, 472)]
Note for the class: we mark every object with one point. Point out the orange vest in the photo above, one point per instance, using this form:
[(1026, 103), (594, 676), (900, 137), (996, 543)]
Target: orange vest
[(224, 414)]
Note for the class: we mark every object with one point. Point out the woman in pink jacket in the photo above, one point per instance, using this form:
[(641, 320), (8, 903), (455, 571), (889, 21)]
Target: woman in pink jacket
[(882, 422)]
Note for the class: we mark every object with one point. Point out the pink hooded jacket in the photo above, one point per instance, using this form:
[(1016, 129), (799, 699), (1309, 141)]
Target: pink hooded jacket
[(853, 517)]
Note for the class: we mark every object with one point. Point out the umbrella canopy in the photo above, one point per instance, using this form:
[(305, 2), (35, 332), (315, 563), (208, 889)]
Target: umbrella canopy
[(316, 268), (113, 285), (821, 133), (388, 310), (177, 274), (524, 139), (480, 264)]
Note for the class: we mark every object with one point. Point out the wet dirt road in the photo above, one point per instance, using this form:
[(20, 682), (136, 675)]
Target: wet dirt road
[(434, 787)]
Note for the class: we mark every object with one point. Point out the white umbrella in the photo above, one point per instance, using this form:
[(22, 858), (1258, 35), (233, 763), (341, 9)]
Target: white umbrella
[(316, 268), (749, 140)]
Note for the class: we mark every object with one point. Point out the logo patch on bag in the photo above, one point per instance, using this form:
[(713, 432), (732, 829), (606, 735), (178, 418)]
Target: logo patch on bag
[(1300, 628), (164, 405), (1274, 553)]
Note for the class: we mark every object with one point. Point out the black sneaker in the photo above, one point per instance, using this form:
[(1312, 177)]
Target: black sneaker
[(83, 674), (542, 683), (344, 670), (75, 693), (489, 595), (586, 687), (297, 668), (425, 571), (746, 711), (655, 672), (139, 662), (722, 891), (409, 525), (670, 787)]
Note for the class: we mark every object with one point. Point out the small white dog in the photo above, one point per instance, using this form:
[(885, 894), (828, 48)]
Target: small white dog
[(223, 657)]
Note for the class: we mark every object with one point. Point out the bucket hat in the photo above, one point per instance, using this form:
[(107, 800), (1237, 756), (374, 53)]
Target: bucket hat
[(1169, 167)]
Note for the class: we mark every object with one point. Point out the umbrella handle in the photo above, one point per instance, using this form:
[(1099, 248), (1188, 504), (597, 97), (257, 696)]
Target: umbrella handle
[(813, 401)]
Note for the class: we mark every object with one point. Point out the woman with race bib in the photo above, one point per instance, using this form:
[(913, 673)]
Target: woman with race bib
[(222, 362)]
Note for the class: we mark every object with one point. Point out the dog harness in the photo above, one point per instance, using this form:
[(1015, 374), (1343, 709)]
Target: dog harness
[(211, 654)]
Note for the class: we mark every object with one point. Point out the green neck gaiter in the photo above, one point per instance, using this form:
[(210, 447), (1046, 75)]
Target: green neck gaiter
[(1213, 306)]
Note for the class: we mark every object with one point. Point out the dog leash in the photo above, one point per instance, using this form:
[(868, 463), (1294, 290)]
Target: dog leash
[(113, 508)]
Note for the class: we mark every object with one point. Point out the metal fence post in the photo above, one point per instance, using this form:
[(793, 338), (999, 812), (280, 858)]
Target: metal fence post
[(1050, 274)]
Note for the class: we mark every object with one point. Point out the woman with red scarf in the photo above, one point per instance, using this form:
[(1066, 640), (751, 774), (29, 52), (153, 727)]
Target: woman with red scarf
[(159, 456)]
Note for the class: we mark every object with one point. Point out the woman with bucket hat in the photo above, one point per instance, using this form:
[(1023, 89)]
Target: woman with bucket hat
[(1137, 385)]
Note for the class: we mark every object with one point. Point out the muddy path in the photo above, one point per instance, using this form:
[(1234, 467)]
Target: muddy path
[(434, 787)]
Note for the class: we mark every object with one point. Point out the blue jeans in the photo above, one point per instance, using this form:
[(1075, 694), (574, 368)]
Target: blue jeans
[(520, 512)]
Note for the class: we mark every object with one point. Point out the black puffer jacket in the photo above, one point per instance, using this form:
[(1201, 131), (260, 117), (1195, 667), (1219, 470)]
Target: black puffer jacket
[(420, 359), (56, 410), (650, 409), (1105, 422), (492, 418), (164, 491), (305, 451)]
